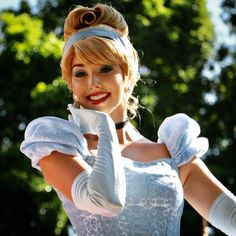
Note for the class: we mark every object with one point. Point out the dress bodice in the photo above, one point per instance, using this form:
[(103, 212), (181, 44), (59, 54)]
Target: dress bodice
[(154, 194), (154, 203)]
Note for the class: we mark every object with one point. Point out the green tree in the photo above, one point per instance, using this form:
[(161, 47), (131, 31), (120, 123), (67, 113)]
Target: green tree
[(220, 112), (29, 207)]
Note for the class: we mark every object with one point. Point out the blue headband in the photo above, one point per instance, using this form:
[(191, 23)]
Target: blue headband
[(99, 31)]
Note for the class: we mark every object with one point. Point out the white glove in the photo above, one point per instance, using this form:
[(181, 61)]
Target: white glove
[(103, 190), (223, 213)]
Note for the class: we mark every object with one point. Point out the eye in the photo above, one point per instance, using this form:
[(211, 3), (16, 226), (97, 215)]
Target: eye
[(106, 69), (79, 74)]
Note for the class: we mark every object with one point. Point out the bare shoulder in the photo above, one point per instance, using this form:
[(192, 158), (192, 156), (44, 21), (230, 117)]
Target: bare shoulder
[(142, 149), (186, 170), (145, 151)]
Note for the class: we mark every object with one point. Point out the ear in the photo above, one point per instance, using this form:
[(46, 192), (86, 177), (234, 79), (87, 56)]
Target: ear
[(126, 84), (127, 89)]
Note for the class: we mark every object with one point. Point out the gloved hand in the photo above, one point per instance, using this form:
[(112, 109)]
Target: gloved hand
[(106, 189), (89, 121)]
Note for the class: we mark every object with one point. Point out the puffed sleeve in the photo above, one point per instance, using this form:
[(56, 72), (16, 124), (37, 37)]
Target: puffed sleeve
[(46, 134), (180, 134)]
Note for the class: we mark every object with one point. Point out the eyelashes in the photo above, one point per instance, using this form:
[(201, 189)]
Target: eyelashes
[(79, 74), (105, 69)]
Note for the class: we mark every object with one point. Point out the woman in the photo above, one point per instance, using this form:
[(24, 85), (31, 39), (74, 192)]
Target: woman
[(112, 180)]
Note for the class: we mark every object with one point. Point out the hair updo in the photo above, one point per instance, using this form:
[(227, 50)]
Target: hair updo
[(98, 50)]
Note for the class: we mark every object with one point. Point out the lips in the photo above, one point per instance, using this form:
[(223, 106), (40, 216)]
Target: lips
[(97, 98)]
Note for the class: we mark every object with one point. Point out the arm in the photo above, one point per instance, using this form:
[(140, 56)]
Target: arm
[(60, 170), (105, 185), (58, 146), (209, 197), (200, 186), (202, 190)]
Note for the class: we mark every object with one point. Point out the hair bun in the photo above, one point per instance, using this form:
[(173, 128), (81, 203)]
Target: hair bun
[(88, 18), (81, 17)]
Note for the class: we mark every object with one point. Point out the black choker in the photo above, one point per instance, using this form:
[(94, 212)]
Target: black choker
[(121, 124)]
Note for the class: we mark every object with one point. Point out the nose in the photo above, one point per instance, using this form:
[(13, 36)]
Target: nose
[(95, 81)]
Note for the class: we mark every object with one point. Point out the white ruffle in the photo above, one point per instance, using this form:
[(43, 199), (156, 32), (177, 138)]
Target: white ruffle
[(180, 134)]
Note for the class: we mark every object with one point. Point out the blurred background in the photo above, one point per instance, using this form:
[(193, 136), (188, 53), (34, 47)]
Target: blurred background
[(187, 53)]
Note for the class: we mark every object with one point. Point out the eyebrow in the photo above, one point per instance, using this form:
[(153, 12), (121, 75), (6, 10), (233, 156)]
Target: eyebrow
[(79, 65)]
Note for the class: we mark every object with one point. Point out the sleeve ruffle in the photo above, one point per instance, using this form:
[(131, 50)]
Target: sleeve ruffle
[(180, 134), (47, 134)]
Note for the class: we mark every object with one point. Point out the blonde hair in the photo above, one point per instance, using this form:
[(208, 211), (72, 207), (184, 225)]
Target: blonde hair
[(99, 50)]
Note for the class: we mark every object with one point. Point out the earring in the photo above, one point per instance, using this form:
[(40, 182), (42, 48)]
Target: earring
[(127, 89)]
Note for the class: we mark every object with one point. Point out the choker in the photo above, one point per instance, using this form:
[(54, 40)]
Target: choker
[(121, 124)]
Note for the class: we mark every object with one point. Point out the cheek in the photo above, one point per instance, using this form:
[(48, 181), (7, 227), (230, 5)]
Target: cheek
[(74, 84), (119, 80), (76, 89), (119, 86), (121, 91)]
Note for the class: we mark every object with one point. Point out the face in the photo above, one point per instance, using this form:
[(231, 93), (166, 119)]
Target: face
[(99, 87)]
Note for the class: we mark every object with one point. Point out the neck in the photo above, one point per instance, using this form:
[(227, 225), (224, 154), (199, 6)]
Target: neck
[(125, 136), (122, 135)]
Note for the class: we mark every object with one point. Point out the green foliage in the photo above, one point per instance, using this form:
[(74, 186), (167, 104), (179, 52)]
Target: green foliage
[(175, 43), (22, 27), (28, 55), (53, 95)]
